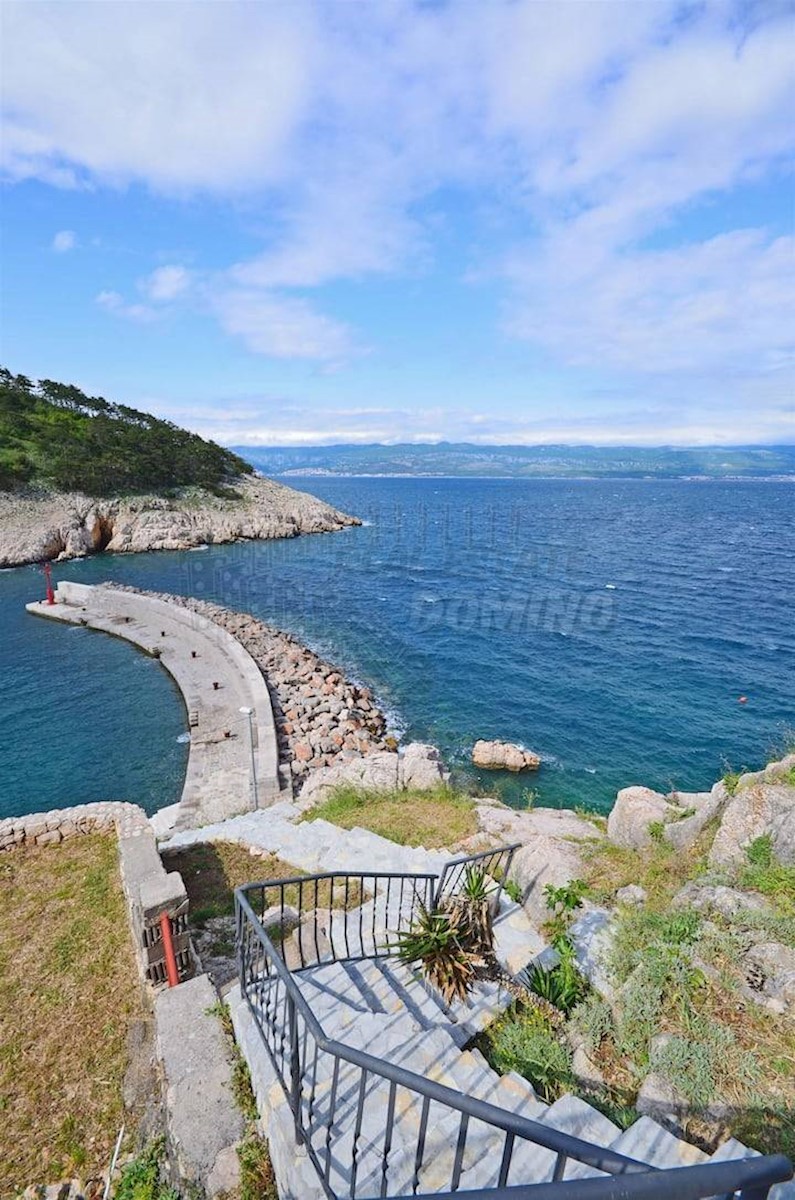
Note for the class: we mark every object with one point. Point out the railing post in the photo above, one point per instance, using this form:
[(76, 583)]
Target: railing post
[(295, 1070)]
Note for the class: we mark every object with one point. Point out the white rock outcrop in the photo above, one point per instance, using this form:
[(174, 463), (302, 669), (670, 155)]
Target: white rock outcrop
[(36, 525), (503, 756), (417, 766), (639, 814), (553, 843), (765, 805)]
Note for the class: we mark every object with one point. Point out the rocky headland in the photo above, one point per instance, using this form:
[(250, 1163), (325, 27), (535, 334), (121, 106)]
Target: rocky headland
[(37, 524)]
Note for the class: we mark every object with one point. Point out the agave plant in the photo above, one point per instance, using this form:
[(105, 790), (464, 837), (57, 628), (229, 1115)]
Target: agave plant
[(473, 904), (437, 941)]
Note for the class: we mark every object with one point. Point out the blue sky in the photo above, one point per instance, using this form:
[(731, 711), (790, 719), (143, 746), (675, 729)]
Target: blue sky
[(372, 220)]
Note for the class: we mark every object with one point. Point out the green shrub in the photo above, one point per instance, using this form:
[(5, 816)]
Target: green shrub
[(561, 985), (593, 1017), (142, 1179), (663, 981), (697, 1065), (513, 891), (638, 931), (656, 830), (731, 780), (523, 1041), (766, 875)]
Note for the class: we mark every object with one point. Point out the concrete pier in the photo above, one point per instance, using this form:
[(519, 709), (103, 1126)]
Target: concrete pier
[(217, 677)]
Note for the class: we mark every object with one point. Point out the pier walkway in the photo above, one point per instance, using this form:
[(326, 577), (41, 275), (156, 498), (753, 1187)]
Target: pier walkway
[(217, 677)]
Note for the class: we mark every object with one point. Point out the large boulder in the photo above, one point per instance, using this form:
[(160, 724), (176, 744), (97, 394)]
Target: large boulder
[(640, 814), (756, 810), (378, 771), (770, 968), (636, 812), (552, 849), (544, 860), (715, 898), (421, 766), (504, 756), (692, 812)]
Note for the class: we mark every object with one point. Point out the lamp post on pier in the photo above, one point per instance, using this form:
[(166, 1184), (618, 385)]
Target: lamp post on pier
[(249, 712)]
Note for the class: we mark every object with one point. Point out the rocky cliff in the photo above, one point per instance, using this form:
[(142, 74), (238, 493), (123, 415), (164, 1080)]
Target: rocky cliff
[(37, 524)]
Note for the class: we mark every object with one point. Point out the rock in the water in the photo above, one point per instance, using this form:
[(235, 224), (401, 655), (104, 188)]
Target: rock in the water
[(762, 808), (496, 756), (421, 766)]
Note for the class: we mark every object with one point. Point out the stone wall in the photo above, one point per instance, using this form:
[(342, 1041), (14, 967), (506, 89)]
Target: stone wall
[(148, 888)]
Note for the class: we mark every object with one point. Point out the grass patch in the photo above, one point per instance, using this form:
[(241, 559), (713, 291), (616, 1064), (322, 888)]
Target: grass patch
[(142, 1179), (771, 878), (661, 869), (68, 992), (433, 818), (212, 871), (522, 1040)]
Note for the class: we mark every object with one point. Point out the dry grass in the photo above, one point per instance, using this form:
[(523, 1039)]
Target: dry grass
[(435, 818), (212, 871), (762, 1115), (661, 870), (68, 992)]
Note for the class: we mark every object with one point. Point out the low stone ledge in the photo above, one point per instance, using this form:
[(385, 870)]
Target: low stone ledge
[(204, 1122)]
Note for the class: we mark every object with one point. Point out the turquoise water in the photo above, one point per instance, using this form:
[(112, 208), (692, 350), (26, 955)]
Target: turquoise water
[(611, 626)]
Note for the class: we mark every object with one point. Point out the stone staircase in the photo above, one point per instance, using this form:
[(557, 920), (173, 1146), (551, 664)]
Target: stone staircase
[(384, 1008)]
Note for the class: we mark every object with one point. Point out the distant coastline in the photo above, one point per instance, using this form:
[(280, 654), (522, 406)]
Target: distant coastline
[(449, 460), (310, 474)]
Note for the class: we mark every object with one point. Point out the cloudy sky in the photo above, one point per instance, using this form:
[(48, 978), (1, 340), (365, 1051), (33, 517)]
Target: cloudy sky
[(376, 220)]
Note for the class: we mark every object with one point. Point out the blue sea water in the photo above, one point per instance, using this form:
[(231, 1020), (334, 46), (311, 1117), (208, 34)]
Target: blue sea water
[(610, 626)]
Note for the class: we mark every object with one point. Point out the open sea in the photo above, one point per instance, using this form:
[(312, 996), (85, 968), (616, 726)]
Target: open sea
[(612, 627)]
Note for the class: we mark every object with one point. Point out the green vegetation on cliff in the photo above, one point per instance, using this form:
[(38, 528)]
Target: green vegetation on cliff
[(53, 435)]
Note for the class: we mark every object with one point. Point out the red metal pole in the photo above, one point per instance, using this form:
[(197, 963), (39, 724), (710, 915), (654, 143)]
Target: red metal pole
[(48, 578), (172, 971)]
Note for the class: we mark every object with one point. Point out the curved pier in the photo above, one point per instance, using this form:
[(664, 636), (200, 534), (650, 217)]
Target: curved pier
[(217, 677)]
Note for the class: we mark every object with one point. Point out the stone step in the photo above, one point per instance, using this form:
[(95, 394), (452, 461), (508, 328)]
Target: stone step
[(648, 1142)]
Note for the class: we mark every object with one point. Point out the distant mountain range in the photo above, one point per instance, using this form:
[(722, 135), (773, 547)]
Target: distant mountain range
[(566, 462)]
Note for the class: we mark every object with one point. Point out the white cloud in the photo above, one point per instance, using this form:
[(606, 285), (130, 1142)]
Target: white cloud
[(166, 283), (590, 126), (177, 96), (113, 302), (283, 327), (64, 240)]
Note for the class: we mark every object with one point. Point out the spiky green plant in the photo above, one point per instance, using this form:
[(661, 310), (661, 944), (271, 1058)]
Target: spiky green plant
[(436, 941)]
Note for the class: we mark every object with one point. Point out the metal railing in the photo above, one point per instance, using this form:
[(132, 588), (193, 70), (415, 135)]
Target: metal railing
[(373, 1128)]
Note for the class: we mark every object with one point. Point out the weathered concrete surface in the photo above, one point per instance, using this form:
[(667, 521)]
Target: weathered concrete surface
[(198, 654), (204, 1122)]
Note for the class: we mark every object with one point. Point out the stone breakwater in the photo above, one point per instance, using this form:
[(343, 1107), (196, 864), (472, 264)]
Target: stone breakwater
[(36, 525), (322, 717)]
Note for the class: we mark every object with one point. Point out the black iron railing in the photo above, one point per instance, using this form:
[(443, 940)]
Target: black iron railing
[(373, 1128)]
